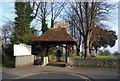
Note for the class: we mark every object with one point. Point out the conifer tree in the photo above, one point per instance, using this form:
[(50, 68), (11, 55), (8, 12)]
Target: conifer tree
[(22, 31)]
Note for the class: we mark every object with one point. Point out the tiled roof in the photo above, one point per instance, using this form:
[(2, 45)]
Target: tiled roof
[(55, 34)]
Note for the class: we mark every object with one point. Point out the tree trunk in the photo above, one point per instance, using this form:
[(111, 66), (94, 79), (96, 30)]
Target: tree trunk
[(96, 50), (78, 48), (78, 51), (52, 23), (90, 46), (86, 44)]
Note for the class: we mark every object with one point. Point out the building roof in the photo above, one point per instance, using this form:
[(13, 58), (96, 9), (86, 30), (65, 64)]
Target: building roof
[(55, 34)]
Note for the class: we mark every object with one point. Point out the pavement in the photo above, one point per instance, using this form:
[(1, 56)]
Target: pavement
[(52, 71)]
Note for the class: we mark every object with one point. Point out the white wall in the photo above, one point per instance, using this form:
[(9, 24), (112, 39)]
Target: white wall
[(22, 49), (25, 60)]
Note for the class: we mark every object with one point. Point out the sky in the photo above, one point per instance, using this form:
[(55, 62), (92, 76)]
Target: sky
[(7, 14)]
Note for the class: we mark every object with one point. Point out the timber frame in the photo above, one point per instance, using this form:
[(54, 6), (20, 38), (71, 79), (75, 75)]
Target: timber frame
[(49, 39)]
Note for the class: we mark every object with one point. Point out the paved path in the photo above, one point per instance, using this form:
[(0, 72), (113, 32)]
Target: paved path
[(50, 72)]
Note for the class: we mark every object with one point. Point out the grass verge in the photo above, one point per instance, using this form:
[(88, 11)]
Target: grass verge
[(62, 58), (7, 64), (98, 57), (107, 57)]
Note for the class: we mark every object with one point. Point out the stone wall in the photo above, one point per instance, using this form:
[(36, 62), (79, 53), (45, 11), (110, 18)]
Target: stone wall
[(82, 62)]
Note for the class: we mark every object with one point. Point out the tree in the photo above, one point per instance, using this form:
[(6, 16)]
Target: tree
[(7, 30), (73, 26), (51, 10), (86, 15), (104, 53), (116, 53), (25, 15), (75, 34), (7, 48), (56, 9), (102, 38), (112, 38), (42, 15)]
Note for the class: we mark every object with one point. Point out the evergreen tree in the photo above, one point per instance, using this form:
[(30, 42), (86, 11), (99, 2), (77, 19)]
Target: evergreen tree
[(22, 31)]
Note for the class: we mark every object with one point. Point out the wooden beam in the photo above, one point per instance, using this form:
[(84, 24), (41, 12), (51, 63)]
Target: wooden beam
[(67, 54), (47, 52), (62, 46), (52, 46), (43, 48), (57, 45)]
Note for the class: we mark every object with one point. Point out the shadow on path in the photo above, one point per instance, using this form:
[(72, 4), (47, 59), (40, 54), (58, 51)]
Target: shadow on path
[(56, 64)]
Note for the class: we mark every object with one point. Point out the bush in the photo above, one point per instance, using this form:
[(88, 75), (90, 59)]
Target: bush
[(104, 53), (52, 53), (62, 58), (116, 53), (6, 61), (7, 55), (36, 50), (93, 56), (52, 57)]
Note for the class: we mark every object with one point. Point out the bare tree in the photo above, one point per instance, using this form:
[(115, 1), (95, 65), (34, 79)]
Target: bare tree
[(49, 10), (43, 12), (86, 15), (7, 30), (56, 9)]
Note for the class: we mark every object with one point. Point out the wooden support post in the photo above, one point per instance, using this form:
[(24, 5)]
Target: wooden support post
[(67, 54), (47, 54), (43, 55), (47, 49)]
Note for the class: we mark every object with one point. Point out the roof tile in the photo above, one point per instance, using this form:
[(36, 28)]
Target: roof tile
[(55, 34)]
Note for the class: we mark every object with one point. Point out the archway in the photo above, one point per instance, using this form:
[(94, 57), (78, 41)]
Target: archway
[(56, 58)]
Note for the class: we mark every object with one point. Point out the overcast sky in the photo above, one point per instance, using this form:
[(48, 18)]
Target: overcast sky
[(7, 13)]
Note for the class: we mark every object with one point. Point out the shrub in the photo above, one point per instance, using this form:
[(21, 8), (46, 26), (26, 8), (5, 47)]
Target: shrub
[(116, 53), (52, 57), (6, 61), (93, 56), (7, 55), (36, 50), (104, 53)]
